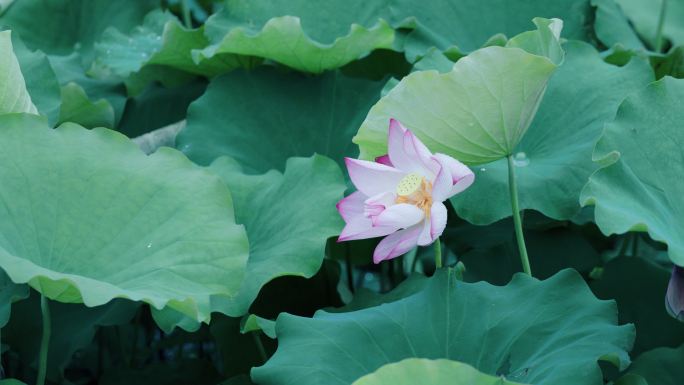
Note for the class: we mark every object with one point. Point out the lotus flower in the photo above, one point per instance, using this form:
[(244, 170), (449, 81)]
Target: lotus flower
[(674, 300), (401, 194)]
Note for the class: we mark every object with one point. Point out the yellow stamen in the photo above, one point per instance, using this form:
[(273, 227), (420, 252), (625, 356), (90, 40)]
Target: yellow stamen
[(414, 189), (409, 184)]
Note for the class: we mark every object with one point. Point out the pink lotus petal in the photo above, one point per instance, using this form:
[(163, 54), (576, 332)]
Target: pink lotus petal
[(384, 159), (397, 244), (374, 206), (373, 178), (385, 199), (363, 229), (462, 176), (395, 148), (358, 225), (351, 207), (420, 156), (399, 216), (434, 227), (406, 151), (438, 220), (442, 185)]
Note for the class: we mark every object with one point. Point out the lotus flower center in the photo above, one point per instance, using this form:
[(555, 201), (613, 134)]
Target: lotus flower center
[(415, 190)]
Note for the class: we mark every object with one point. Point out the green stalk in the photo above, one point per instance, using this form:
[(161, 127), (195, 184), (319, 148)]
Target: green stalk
[(187, 20), (513, 187), (45, 341), (438, 253), (415, 261), (659, 28), (624, 245), (260, 346)]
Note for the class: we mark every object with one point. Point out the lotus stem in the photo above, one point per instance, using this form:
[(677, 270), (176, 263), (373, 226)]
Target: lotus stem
[(659, 28), (438, 253), (45, 341), (260, 346), (513, 187), (187, 20)]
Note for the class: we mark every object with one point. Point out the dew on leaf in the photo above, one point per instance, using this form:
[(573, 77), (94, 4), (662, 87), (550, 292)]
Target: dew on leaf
[(520, 159)]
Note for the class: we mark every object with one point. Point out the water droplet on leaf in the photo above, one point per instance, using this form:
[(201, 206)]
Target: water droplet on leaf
[(520, 159)]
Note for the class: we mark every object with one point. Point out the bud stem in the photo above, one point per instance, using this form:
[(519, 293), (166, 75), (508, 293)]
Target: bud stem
[(438, 253)]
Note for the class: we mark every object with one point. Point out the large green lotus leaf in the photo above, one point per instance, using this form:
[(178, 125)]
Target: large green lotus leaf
[(9, 293), (73, 328), (543, 42), (553, 160), (15, 96), (62, 26), (70, 69), (644, 15), (612, 26), (530, 331), (429, 372), (160, 41), (639, 288), (4, 4), (263, 117), (305, 37), (469, 24), (77, 108), (476, 113), (640, 186), (41, 81), (661, 366), (87, 217), (302, 200), (324, 23)]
